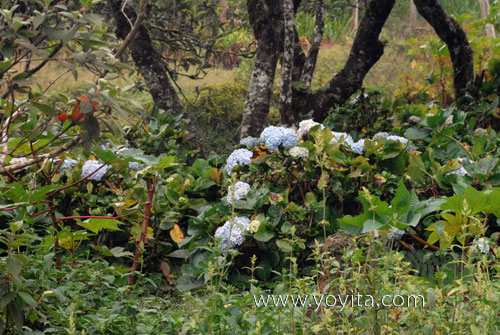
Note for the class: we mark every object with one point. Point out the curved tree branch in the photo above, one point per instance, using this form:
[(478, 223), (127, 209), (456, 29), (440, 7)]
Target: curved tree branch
[(455, 38), (365, 52)]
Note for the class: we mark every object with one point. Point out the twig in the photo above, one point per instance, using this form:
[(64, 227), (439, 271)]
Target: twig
[(87, 217), (139, 244), (134, 28), (78, 181), (422, 241), (33, 160)]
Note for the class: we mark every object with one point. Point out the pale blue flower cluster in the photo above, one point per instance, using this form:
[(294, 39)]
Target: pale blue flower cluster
[(249, 141), (238, 157), (273, 137), (231, 233), (67, 163), (358, 146), (237, 191), (133, 165), (92, 165)]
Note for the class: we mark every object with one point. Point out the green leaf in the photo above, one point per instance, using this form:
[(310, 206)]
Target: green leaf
[(94, 225), (186, 283), (181, 253), (14, 266), (284, 245), (6, 299), (417, 133), (264, 236), (275, 212), (28, 299)]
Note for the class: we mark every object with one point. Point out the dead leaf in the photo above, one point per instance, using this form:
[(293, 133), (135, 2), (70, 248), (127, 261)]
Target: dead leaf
[(176, 233)]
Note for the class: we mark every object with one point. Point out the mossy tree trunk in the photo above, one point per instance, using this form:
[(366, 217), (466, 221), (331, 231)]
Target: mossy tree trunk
[(258, 98), (154, 71)]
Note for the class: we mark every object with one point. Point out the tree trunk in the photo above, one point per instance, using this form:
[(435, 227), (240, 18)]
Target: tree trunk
[(455, 38), (312, 55), (366, 51), (152, 68), (258, 98), (485, 12), (223, 13), (287, 64), (355, 15), (413, 15)]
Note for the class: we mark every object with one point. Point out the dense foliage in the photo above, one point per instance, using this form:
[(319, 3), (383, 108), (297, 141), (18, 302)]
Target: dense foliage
[(111, 223)]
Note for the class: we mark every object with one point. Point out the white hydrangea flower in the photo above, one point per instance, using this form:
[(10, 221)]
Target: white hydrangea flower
[(449, 121), (483, 245), (273, 137), (92, 165), (237, 191), (306, 125), (397, 138), (253, 227), (238, 157), (299, 152), (249, 141), (415, 119), (459, 172), (397, 235), (380, 134), (230, 233), (337, 136)]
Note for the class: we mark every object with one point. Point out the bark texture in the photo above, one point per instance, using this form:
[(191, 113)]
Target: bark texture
[(287, 64), (152, 68), (261, 82), (366, 51), (413, 15), (455, 38), (312, 55), (485, 12)]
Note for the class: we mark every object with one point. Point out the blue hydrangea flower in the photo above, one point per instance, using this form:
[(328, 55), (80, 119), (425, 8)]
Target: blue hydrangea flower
[(290, 138), (133, 165), (358, 146), (92, 165), (238, 157), (273, 137), (230, 233), (67, 163), (237, 191), (249, 141)]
